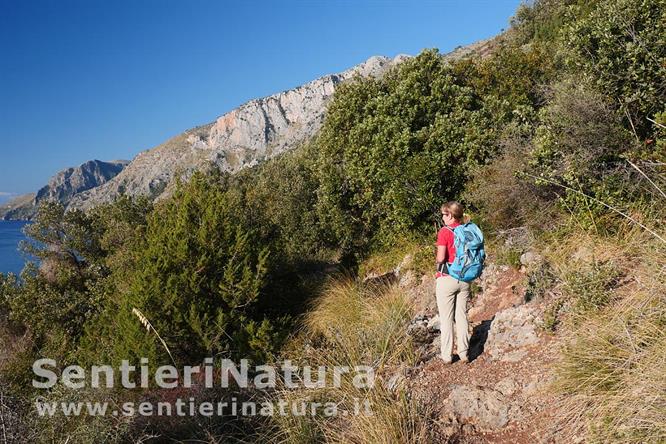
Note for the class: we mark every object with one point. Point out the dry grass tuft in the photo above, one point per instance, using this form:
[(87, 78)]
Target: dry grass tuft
[(613, 369), (352, 324)]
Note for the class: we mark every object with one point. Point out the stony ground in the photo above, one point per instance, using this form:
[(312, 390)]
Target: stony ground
[(502, 395)]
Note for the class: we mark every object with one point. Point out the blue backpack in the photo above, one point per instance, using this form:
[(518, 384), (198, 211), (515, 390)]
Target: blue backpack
[(470, 254)]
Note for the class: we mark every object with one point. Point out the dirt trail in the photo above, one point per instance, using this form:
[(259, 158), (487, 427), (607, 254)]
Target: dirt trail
[(501, 395)]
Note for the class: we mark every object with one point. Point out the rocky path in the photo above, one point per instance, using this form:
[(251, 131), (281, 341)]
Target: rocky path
[(502, 395)]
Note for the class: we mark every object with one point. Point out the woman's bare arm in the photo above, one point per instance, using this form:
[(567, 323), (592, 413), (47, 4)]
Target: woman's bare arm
[(441, 253)]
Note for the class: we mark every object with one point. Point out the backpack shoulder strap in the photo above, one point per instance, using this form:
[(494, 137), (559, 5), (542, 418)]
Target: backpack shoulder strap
[(449, 228)]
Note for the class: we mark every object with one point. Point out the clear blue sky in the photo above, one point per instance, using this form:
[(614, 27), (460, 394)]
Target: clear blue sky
[(105, 80)]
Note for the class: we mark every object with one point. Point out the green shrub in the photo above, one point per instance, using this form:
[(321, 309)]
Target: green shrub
[(551, 315), (279, 200), (543, 20), (199, 272), (55, 299), (620, 46), (416, 251), (509, 82), (591, 286), (506, 198), (577, 154), (392, 150), (539, 281)]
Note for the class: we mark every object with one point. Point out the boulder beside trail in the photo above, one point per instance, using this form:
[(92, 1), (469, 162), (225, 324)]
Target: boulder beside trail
[(511, 331), (486, 408)]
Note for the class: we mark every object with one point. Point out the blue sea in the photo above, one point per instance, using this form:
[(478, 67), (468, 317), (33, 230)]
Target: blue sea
[(11, 259)]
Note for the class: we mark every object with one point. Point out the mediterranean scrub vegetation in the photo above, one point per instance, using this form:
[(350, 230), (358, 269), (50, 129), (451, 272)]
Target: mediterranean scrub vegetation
[(561, 129)]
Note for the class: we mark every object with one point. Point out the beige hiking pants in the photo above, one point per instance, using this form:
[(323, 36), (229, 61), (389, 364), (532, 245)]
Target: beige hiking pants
[(452, 296)]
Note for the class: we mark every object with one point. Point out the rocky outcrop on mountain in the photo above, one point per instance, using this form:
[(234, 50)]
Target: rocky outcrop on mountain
[(244, 137), (482, 48), (19, 208), (74, 180), (63, 186)]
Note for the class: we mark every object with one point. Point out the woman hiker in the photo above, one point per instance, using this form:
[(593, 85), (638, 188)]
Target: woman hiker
[(452, 294)]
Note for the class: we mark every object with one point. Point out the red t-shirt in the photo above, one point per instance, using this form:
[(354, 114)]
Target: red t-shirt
[(445, 239)]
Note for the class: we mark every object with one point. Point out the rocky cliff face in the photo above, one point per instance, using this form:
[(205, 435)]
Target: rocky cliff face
[(19, 208), (63, 186), (244, 137)]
